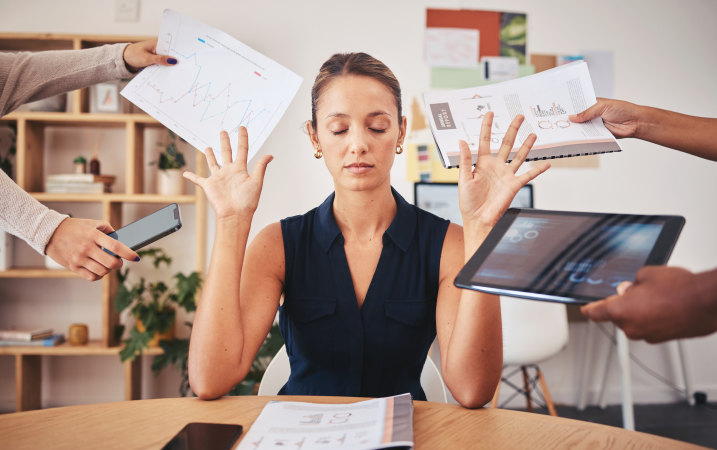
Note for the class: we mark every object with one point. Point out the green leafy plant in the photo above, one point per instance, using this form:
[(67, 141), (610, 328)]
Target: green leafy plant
[(6, 158), (79, 160), (152, 303), (170, 157)]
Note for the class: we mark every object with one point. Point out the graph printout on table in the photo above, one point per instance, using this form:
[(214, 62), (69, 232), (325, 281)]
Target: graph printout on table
[(217, 84)]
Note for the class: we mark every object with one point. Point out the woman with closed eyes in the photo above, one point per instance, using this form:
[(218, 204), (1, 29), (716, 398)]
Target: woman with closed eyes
[(366, 277)]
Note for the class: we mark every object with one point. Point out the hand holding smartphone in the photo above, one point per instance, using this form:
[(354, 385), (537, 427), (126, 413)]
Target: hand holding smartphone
[(205, 436), (149, 228)]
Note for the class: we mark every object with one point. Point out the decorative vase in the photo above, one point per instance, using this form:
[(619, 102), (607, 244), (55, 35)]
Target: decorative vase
[(154, 341), (78, 334), (170, 182)]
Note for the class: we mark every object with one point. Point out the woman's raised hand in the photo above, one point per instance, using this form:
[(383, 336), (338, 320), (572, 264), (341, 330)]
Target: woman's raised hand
[(485, 192), (230, 189)]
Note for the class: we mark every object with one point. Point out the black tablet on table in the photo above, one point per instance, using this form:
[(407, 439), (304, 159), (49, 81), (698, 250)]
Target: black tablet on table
[(569, 257)]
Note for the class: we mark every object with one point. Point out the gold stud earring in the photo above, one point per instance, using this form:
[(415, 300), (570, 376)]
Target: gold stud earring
[(317, 153), (399, 149)]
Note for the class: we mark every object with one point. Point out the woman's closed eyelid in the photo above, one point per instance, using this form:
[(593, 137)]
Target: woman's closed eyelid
[(375, 130)]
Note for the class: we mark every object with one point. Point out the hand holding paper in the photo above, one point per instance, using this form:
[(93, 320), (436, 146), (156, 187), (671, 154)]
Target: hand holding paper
[(545, 99)]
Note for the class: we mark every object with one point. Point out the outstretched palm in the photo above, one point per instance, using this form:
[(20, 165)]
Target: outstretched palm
[(485, 192), (230, 189)]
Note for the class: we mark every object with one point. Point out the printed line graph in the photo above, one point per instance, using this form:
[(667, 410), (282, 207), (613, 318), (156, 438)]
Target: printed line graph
[(218, 84)]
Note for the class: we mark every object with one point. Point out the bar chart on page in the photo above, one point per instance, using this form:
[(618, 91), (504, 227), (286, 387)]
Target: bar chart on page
[(217, 84)]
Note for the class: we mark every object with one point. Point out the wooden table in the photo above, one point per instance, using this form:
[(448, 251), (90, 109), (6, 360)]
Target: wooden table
[(151, 423)]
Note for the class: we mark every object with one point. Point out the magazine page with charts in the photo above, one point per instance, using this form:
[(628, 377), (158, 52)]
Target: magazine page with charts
[(371, 424)]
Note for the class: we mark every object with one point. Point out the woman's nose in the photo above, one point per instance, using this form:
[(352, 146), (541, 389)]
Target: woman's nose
[(359, 142)]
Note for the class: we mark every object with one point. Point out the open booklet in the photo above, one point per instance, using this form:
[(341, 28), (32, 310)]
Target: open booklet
[(545, 99), (378, 423)]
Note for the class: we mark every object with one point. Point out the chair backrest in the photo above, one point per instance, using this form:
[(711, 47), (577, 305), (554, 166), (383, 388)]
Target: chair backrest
[(532, 330), (277, 373)]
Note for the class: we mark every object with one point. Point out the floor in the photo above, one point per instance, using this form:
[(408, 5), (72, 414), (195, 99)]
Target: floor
[(694, 424)]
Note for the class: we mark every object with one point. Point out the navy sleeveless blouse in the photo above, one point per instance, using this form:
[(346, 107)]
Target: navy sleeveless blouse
[(334, 347)]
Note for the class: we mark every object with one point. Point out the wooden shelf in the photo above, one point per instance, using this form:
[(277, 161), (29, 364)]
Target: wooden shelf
[(37, 272), (81, 119), (30, 172), (113, 198), (65, 349)]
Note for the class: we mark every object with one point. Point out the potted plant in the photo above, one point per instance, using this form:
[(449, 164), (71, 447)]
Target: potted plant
[(79, 164), (153, 304), (170, 163)]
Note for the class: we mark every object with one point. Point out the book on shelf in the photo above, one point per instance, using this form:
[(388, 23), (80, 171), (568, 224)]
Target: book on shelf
[(80, 183), (545, 99), (51, 341), (75, 188), (25, 334), (378, 423)]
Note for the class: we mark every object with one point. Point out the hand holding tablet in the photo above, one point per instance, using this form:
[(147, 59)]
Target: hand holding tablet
[(569, 257)]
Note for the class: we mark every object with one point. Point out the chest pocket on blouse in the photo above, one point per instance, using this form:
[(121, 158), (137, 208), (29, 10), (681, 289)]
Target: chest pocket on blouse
[(410, 326), (314, 325)]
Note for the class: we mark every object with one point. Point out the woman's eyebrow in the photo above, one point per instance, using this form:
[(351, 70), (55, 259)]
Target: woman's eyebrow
[(371, 114)]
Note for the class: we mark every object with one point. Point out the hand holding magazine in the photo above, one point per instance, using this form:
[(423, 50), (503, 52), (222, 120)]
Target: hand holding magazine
[(546, 99)]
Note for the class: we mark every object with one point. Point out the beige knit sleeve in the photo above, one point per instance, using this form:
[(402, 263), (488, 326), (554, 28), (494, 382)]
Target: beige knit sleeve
[(23, 216), (26, 76)]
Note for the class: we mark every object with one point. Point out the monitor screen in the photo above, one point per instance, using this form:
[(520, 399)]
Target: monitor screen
[(441, 199)]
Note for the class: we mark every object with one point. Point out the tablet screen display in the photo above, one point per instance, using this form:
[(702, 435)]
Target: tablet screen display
[(567, 255)]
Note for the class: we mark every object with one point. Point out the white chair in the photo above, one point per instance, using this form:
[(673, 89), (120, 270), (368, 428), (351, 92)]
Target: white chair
[(622, 343), (533, 331), (277, 373)]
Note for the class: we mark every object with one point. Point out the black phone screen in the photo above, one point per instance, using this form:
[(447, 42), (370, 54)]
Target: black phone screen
[(206, 436), (149, 228)]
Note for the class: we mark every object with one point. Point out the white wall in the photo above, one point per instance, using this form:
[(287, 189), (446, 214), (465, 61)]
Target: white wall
[(664, 56)]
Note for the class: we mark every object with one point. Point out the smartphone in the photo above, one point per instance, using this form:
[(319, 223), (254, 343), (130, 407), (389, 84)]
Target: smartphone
[(149, 228), (205, 436)]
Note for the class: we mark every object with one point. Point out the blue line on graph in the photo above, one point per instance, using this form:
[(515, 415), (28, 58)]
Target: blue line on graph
[(207, 86), (201, 40)]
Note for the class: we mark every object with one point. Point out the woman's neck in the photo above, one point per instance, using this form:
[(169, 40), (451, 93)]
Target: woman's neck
[(364, 216)]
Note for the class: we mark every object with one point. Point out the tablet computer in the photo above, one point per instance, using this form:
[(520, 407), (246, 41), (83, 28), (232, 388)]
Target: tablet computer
[(569, 257)]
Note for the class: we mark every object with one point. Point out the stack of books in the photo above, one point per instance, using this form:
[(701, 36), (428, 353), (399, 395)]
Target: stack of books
[(79, 183), (39, 337)]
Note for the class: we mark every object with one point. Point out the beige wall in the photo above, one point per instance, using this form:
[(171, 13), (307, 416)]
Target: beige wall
[(664, 56)]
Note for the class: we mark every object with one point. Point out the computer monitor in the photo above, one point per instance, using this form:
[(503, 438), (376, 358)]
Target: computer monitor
[(441, 199)]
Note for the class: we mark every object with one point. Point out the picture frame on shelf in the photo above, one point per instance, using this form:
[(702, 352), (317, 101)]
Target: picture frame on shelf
[(105, 98)]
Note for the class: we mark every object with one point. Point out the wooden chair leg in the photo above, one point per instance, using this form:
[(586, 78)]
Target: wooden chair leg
[(526, 386), (546, 393), (494, 402)]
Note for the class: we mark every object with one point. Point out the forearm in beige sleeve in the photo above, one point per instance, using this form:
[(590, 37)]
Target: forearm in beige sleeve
[(27, 76), (23, 216)]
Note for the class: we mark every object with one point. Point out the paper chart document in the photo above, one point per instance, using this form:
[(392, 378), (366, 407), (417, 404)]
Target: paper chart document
[(218, 84), (545, 99), (378, 423)]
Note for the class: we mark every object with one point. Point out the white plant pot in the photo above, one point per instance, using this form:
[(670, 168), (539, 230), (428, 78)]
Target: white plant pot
[(170, 182)]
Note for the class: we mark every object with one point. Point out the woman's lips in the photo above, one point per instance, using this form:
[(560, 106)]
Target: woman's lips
[(359, 168)]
